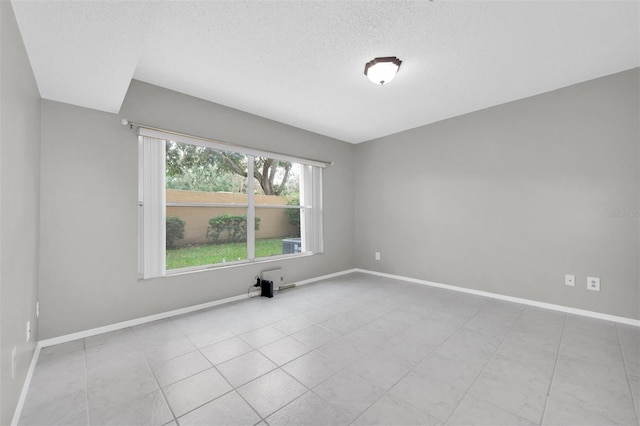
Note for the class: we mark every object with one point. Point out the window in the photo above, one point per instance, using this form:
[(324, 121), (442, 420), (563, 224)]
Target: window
[(204, 204)]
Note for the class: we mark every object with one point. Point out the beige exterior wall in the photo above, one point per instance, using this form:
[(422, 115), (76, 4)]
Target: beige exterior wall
[(274, 223)]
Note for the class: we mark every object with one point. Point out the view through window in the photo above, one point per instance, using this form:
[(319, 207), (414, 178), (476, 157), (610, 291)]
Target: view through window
[(223, 207)]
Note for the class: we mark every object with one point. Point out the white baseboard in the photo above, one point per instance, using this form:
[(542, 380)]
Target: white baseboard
[(326, 277), (143, 320), (137, 321), (569, 310), (25, 387)]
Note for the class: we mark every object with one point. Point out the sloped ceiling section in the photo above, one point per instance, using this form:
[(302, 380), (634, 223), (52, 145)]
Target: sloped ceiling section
[(84, 52), (302, 63)]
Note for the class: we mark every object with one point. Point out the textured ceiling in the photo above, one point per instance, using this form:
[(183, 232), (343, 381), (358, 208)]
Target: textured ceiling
[(301, 63)]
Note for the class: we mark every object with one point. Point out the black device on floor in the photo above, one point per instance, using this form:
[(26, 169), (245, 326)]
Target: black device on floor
[(267, 288)]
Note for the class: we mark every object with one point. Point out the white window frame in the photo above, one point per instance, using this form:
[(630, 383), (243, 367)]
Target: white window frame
[(152, 203)]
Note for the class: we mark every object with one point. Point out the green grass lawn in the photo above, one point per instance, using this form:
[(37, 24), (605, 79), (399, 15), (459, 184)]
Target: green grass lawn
[(216, 253)]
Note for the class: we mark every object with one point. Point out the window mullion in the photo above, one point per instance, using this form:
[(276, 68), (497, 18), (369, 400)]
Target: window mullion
[(251, 211), (305, 212)]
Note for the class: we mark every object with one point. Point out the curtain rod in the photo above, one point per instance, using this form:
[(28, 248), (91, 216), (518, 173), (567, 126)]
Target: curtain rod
[(131, 125)]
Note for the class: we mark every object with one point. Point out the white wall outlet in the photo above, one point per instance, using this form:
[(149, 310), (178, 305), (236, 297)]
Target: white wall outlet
[(13, 362), (570, 280), (593, 283), (28, 330), (38, 309), (377, 255)]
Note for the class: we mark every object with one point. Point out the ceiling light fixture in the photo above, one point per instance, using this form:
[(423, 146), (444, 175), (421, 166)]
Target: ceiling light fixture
[(382, 70)]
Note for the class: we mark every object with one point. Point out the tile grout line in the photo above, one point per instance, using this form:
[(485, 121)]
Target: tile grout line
[(317, 351), (406, 374), (335, 374), (636, 404), (279, 367), (466, 392), (347, 365), (293, 400), (86, 382), (341, 369), (233, 388), (417, 363), (311, 351), (555, 367), (153, 374)]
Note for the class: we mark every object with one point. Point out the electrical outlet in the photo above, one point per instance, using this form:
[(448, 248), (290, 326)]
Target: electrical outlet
[(593, 283), (38, 309), (570, 280), (28, 330), (377, 255), (13, 362)]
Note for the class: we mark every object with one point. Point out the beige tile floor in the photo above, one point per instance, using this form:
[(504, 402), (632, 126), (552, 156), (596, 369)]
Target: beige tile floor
[(356, 350)]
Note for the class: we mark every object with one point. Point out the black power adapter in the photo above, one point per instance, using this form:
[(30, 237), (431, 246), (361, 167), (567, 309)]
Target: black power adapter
[(267, 288)]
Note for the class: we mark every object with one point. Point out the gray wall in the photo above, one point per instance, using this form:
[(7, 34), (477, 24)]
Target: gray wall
[(89, 209), (19, 208), (511, 198)]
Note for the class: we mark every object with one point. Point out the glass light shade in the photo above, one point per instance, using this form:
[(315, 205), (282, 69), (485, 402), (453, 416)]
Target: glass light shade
[(382, 70)]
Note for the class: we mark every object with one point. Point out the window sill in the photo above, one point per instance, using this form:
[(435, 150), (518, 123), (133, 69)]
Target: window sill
[(230, 265)]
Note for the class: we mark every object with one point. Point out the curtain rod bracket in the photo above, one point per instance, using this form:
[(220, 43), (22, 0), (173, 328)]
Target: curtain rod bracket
[(126, 122)]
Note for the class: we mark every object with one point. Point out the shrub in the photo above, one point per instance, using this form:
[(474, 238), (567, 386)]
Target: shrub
[(234, 227), (175, 231)]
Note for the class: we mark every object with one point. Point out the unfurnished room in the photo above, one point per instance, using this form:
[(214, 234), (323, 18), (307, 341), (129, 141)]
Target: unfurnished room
[(319, 213)]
